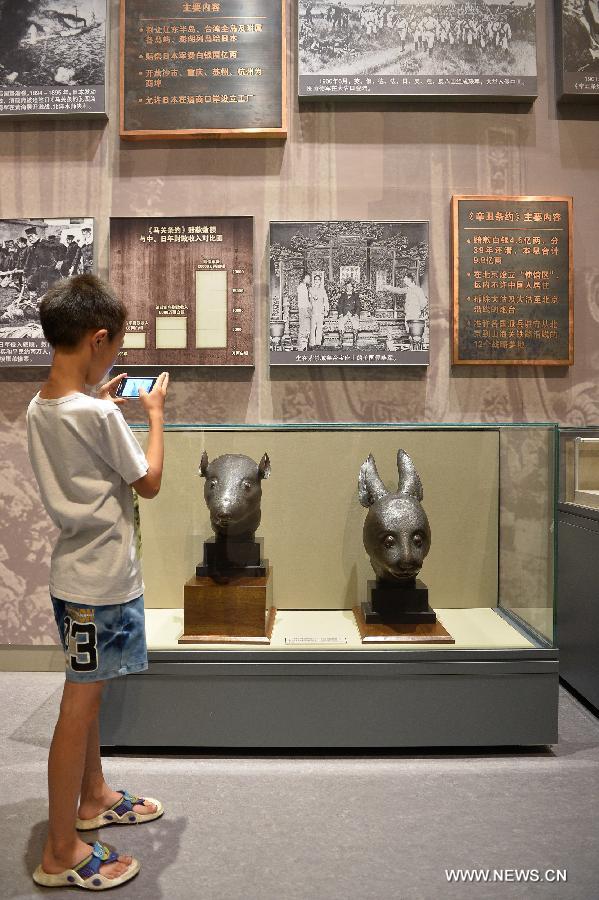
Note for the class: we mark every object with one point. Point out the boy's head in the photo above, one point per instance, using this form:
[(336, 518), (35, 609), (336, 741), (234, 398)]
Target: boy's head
[(82, 314)]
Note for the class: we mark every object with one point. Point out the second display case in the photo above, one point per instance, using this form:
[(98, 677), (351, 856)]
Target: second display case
[(489, 496)]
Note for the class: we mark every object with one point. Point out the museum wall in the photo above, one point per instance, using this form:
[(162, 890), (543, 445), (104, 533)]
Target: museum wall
[(341, 160)]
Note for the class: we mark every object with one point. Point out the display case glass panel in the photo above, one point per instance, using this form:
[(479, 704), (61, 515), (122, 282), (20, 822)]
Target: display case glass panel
[(579, 460), (489, 494)]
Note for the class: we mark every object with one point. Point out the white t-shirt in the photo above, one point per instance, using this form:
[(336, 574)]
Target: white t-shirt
[(84, 457)]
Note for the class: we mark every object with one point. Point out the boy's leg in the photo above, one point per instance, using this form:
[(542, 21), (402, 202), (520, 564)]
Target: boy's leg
[(96, 796), (64, 848)]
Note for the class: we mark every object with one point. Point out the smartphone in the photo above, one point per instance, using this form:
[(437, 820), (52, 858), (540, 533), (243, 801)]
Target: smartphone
[(129, 387)]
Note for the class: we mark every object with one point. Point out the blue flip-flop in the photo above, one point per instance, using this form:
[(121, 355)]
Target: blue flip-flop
[(121, 813), (86, 874)]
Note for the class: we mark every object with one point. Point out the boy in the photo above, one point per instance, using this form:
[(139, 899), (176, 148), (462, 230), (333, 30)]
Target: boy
[(86, 459)]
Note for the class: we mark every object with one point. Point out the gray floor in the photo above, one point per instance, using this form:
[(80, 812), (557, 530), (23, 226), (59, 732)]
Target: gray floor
[(321, 827)]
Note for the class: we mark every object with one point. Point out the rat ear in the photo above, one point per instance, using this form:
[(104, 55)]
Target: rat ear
[(264, 467), (370, 486), (203, 468), (409, 479)]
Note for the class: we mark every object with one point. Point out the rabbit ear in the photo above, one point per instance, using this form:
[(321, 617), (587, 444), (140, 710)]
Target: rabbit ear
[(409, 479), (203, 464), (370, 486), (264, 467)]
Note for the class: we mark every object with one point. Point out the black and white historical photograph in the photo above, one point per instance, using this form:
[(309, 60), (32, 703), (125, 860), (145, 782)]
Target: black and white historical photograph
[(52, 57), (349, 293), (34, 255), (357, 48), (578, 41)]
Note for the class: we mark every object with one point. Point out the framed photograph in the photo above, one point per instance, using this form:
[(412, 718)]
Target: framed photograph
[(34, 255), (418, 49), (349, 293), (577, 49), (188, 284), (53, 58), (512, 281), (203, 70)]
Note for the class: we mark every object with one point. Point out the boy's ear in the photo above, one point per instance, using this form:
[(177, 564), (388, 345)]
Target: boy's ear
[(99, 336)]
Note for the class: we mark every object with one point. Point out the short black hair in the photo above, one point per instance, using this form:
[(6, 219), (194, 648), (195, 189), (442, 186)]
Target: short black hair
[(77, 305)]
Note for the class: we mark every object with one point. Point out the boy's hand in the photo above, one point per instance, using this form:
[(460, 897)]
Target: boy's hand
[(153, 403), (107, 391)]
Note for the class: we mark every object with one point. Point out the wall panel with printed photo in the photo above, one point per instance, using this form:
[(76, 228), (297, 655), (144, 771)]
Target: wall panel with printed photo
[(577, 49), (477, 49), (53, 57), (34, 255), (349, 293)]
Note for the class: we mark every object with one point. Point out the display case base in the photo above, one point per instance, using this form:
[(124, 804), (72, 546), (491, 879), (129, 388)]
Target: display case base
[(238, 611), (233, 638), (401, 633), (496, 686)]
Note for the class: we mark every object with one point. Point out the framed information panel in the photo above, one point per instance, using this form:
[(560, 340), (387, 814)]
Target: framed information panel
[(577, 49), (201, 70), (188, 285), (53, 58), (34, 255), (349, 293), (512, 281), (419, 49)]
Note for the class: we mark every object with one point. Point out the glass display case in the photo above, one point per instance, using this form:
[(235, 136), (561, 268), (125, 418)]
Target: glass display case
[(489, 494), (578, 560), (579, 462)]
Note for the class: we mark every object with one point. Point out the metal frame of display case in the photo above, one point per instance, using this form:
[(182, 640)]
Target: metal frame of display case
[(202, 698)]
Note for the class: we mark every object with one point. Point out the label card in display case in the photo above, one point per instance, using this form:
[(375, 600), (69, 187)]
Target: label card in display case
[(512, 281), (34, 255), (419, 49), (201, 70), (577, 49), (188, 284), (53, 58), (349, 293)]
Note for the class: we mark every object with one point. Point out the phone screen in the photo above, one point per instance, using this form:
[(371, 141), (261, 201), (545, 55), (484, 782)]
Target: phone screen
[(130, 386)]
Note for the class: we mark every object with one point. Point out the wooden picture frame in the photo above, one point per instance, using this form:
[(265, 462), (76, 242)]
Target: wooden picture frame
[(189, 285), (563, 306), (263, 132)]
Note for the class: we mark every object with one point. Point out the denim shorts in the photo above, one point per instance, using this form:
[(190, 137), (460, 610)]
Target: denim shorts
[(102, 641)]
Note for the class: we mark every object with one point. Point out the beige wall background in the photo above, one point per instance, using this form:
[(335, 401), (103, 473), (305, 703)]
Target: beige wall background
[(378, 161)]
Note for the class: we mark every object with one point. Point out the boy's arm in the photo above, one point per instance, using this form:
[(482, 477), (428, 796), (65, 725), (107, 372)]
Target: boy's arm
[(153, 403)]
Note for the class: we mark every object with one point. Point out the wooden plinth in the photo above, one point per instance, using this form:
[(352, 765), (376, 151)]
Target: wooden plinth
[(238, 612), (423, 633)]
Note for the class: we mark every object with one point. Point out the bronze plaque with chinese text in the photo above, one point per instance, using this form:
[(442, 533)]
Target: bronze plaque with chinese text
[(512, 281), (192, 70)]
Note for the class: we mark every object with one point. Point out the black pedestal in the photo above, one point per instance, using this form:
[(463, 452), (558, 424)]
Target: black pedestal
[(397, 604), (231, 558)]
